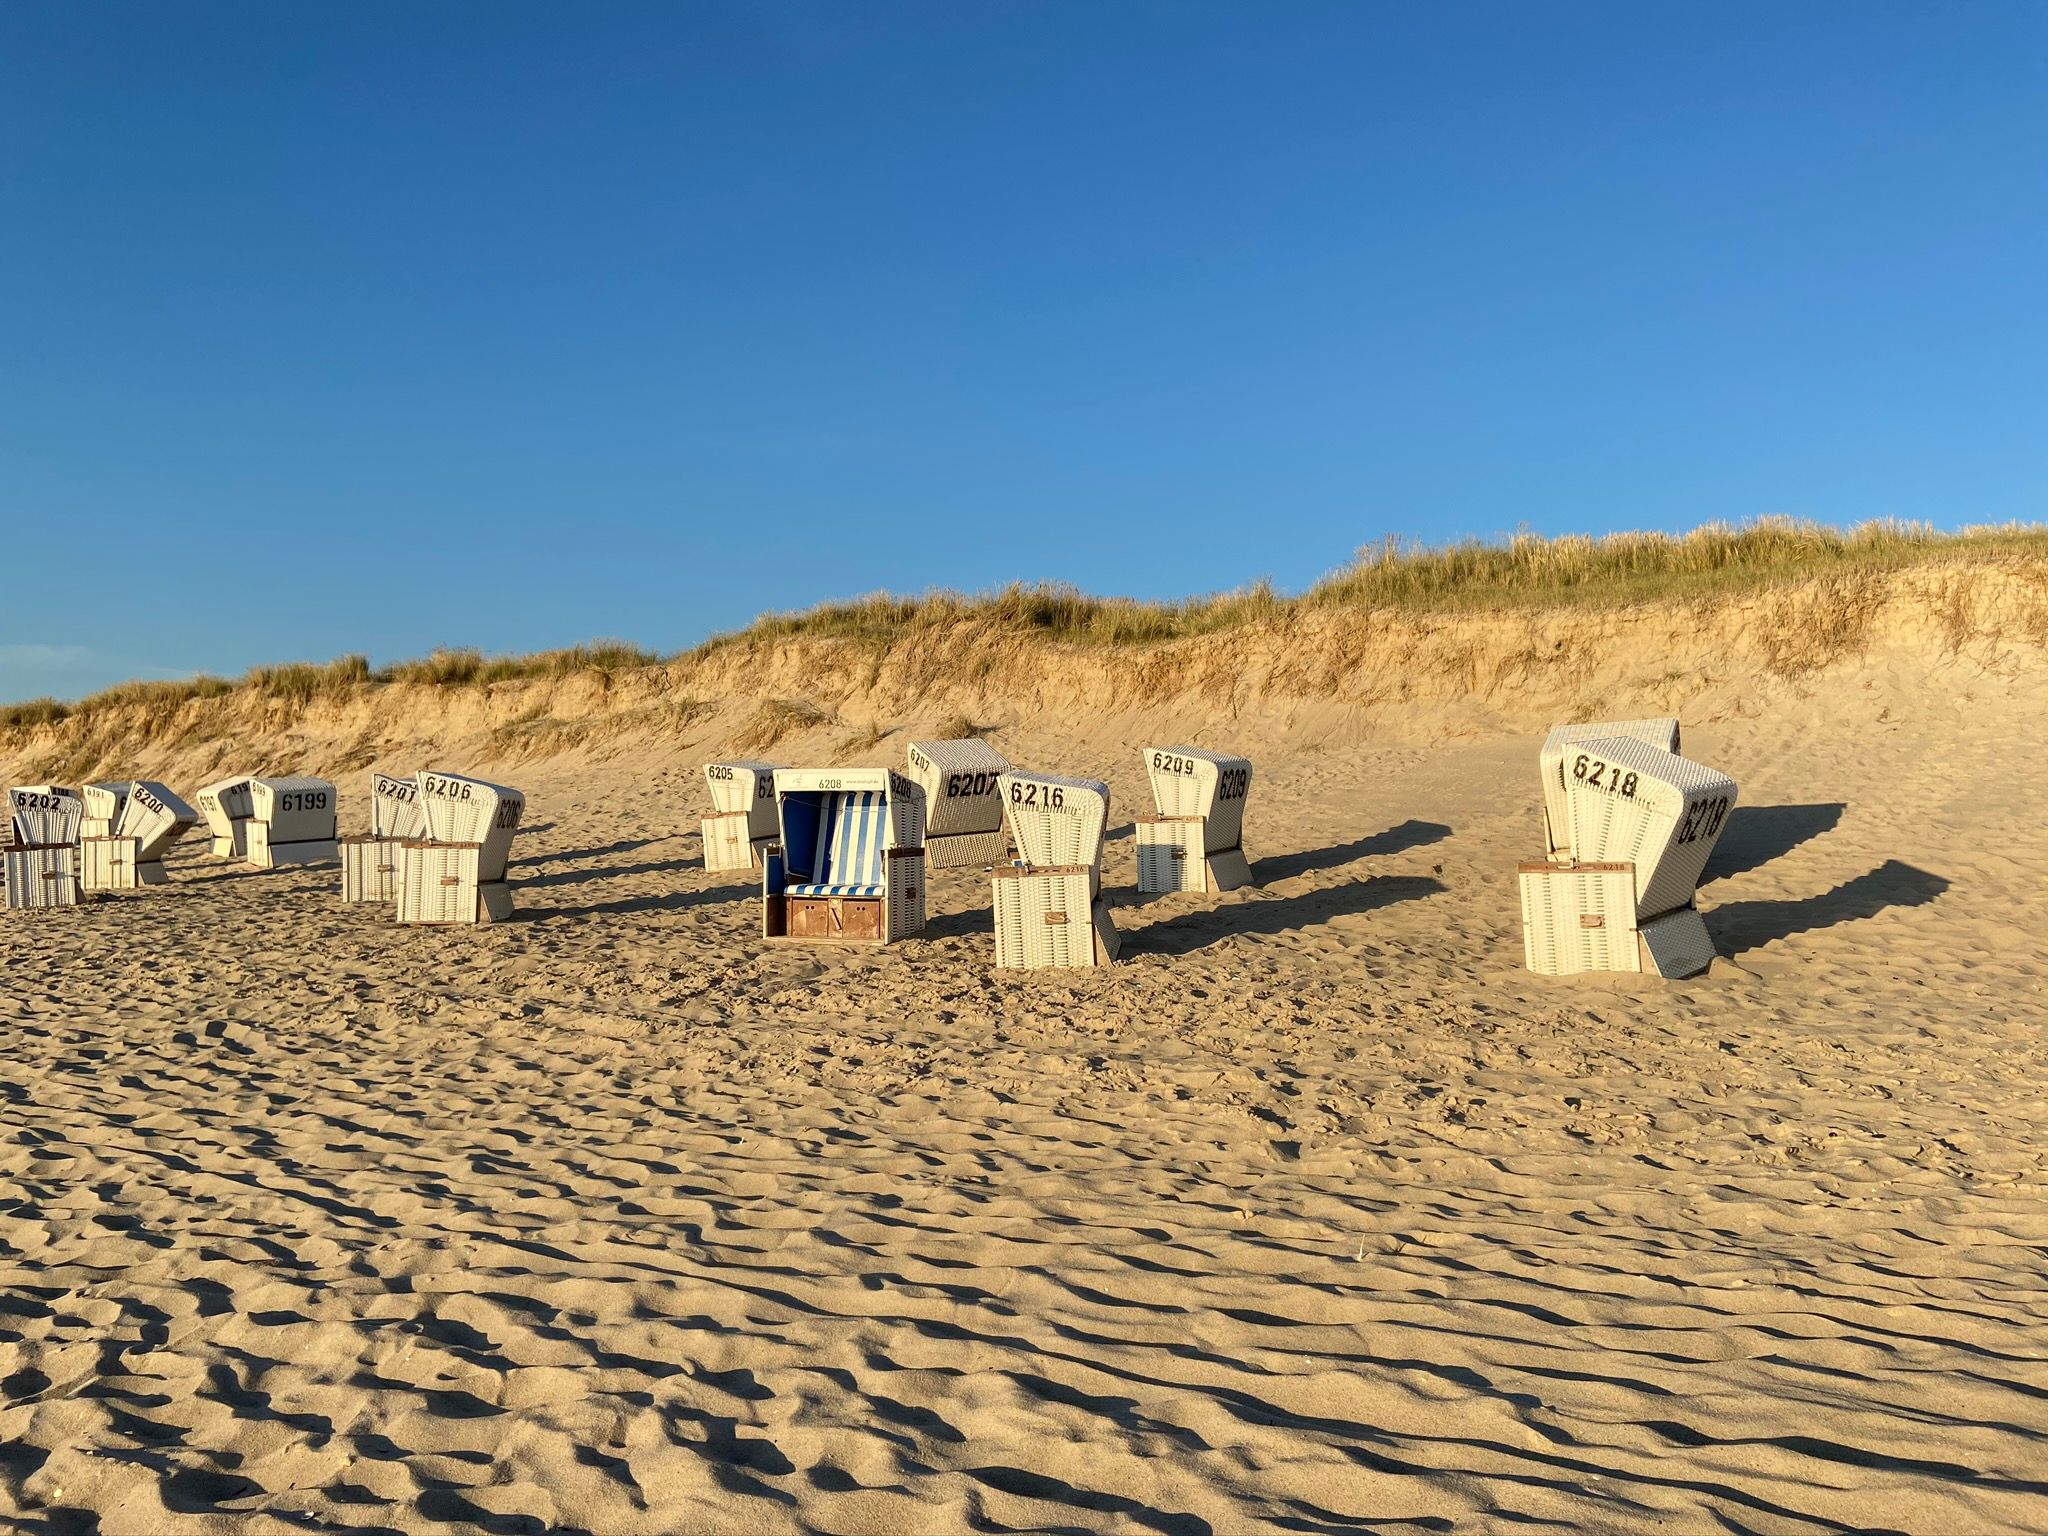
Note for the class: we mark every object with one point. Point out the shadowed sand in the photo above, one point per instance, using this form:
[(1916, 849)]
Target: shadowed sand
[(1320, 1214)]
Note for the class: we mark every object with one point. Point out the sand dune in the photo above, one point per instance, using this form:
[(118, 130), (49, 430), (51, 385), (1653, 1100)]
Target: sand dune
[(1319, 1214)]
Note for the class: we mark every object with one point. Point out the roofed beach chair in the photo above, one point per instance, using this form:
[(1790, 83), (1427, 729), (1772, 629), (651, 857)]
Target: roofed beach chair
[(456, 872), (227, 807), (1196, 842), (369, 860), (849, 865), (103, 804), (291, 821), (1640, 824), (742, 821), (964, 807), (132, 856), (41, 862), (1661, 732), (1049, 910)]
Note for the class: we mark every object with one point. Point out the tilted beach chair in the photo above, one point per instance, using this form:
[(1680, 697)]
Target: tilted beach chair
[(456, 872), (369, 860), (1661, 732), (1049, 910), (742, 821), (963, 806), (291, 821), (849, 864), (227, 807), (1196, 842), (132, 856), (1640, 825), (41, 862)]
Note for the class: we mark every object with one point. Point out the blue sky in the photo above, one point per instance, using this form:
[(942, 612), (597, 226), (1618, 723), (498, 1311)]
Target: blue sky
[(379, 327)]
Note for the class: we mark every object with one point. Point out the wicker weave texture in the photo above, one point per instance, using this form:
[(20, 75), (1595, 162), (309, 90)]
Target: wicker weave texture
[(904, 875), (369, 868), (1630, 803), (970, 850), (155, 817), (1192, 781), (728, 843), (959, 780), (1578, 918), (109, 864), (41, 877), (395, 807), (1047, 919), (1056, 822), (464, 810), (225, 807), (1677, 944), (741, 786), (103, 804), (1170, 854), (1661, 733), (43, 815), (292, 820), (437, 882)]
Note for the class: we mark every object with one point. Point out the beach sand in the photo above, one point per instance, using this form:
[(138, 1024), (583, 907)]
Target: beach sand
[(1319, 1214)]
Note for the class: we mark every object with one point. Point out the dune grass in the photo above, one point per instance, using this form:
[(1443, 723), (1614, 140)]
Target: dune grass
[(1718, 560)]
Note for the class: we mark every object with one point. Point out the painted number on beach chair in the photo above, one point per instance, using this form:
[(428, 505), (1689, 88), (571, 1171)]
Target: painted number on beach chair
[(958, 784), (1051, 797), (149, 801), (302, 800), (1232, 783), (1703, 819), (1167, 762), (1595, 774)]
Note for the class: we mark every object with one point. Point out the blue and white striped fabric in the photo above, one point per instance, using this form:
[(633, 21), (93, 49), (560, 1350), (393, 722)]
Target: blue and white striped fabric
[(859, 822)]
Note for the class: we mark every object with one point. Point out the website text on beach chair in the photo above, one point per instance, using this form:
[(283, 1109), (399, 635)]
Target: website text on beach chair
[(132, 855), (369, 860), (456, 872), (1640, 825), (849, 865), (1196, 842), (41, 862), (1661, 732), (742, 821), (963, 807), (227, 807), (291, 821), (1049, 910)]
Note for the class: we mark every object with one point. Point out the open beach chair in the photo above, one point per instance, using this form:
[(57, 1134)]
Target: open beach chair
[(742, 821), (130, 857), (456, 872), (963, 806), (41, 862), (1049, 911), (1640, 825), (291, 821), (1196, 841), (226, 806), (849, 865), (369, 860)]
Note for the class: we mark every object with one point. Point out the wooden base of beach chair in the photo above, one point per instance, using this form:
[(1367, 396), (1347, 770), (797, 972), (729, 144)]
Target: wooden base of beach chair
[(729, 843), (1578, 918), (1047, 919), (1171, 857), (369, 868), (41, 875), (116, 864), (438, 885)]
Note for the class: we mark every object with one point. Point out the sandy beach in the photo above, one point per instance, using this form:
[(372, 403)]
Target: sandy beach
[(1319, 1214)]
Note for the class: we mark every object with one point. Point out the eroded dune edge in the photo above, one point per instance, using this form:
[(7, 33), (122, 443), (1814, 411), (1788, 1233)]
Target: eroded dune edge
[(1320, 1213)]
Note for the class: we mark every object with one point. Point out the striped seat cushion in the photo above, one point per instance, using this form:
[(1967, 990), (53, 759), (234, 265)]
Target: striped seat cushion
[(833, 890), (860, 831)]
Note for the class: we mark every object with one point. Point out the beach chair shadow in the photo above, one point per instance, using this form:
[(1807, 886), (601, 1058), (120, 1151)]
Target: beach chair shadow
[(1411, 833), (1279, 914), (1741, 925), (1757, 834)]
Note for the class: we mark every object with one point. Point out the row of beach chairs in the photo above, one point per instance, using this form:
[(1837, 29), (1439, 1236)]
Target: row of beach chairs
[(843, 853)]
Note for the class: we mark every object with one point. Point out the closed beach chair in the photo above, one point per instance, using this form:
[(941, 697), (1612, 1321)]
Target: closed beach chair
[(1660, 732), (369, 860), (1049, 911), (1196, 841), (40, 866), (227, 807), (456, 873), (742, 821), (103, 804), (849, 864), (1640, 825), (291, 821), (963, 804), (152, 819)]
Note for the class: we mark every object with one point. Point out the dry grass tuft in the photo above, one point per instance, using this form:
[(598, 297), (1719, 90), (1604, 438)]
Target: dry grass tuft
[(959, 728), (780, 718)]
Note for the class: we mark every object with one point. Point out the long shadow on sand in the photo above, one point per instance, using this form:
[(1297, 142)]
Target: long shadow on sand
[(1741, 925), (657, 901), (608, 872), (1757, 834), (1409, 834), (623, 845), (1280, 914)]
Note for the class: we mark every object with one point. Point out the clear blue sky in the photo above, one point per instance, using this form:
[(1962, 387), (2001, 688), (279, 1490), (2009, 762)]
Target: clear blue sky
[(384, 326)]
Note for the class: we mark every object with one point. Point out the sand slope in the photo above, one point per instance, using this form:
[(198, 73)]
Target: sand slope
[(1320, 1214)]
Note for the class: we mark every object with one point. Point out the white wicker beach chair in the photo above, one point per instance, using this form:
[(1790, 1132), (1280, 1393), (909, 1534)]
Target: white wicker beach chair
[(742, 821), (227, 807), (1049, 910), (369, 861), (1630, 807), (41, 864), (849, 865), (965, 806), (132, 855), (456, 872), (1196, 842), (1557, 745), (291, 821), (103, 804)]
